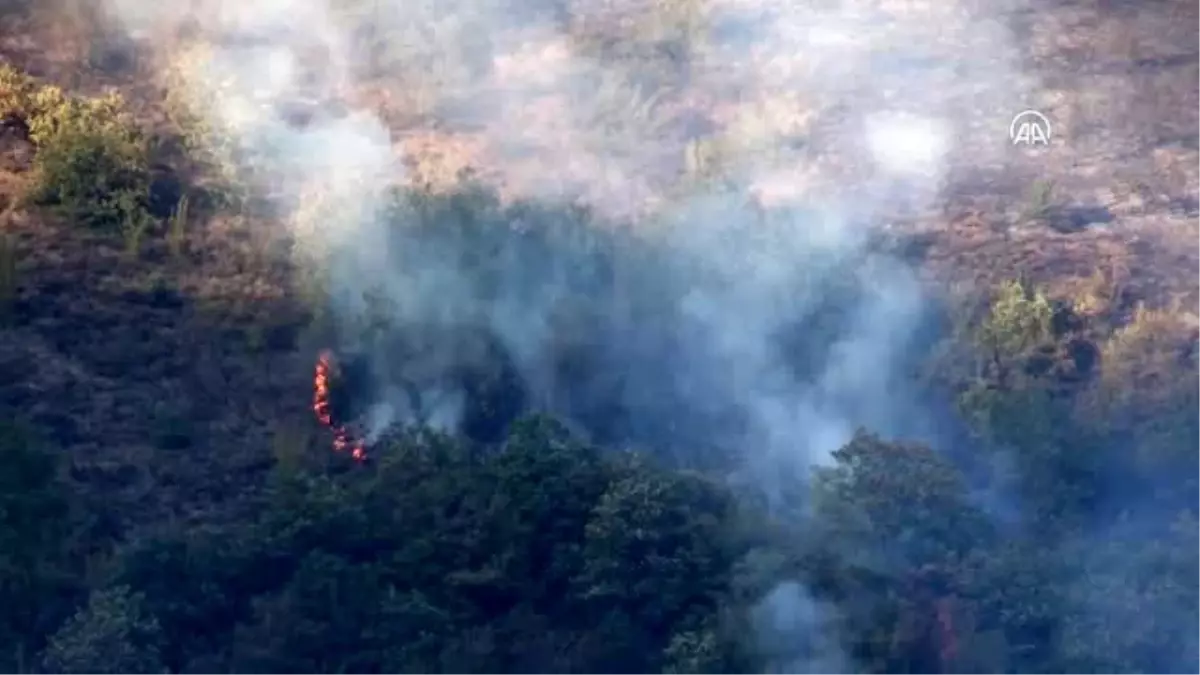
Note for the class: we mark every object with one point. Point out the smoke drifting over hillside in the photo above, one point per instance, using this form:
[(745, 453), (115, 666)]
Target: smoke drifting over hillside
[(714, 325), (811, 104)]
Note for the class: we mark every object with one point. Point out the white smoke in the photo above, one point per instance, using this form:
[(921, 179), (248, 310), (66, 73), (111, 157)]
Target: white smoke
[(856, 110), (794, 633)]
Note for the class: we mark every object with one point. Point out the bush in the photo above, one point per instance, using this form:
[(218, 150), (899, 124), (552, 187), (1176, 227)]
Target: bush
[(92, 160), (1019, 321), (16, 93), (94, 178)]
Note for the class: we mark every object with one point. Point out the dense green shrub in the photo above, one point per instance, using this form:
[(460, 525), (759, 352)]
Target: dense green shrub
[(91, 163), (95, 177), (539, 554)]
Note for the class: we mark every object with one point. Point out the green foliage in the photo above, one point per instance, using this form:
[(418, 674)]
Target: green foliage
[(441, 558), (903, 505), (112, 634), (196, 584), (91, 158), (1021, 405), (1133, 613), (213, 148), (95, 176), (655, 548), (705, 650), (1018, 321), (17, 92), (898, 524), (1148, 387)]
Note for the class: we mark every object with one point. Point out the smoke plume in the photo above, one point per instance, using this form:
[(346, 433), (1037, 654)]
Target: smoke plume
[(757, 146)]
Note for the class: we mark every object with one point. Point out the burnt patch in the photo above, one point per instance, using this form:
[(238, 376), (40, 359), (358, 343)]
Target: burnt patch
[(16, 150), (1071, 219), (113, 57), (166, 189)]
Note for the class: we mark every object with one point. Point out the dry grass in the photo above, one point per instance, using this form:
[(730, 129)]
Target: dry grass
[(1154, 343), (1148, 370)]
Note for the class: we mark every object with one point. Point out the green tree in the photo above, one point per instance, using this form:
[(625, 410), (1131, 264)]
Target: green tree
[(197, 585), (539, 554), (897, 528), (1019, 591), (1023, 408), (112, 634), (320, 622), (902, 503), (657, 556)]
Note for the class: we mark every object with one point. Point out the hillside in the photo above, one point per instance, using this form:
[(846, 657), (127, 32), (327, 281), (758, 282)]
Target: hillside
[(684, 336)]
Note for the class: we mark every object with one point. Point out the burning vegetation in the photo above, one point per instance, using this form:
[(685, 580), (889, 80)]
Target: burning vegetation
[(343, 440)]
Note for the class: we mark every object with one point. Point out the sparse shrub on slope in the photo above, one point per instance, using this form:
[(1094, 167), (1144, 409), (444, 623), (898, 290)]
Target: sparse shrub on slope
[(96, 179), (15, 90), (1019, 322), (1147, 364)]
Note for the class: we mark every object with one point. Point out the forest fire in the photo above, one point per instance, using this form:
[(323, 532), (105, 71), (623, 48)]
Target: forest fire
[(343, 440)]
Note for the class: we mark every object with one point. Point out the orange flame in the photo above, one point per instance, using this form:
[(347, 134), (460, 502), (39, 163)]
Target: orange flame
[(342, 439)]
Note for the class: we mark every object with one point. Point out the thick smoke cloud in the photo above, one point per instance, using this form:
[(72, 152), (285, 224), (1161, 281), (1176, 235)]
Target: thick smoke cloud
[(716, 324), (833, 75)]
